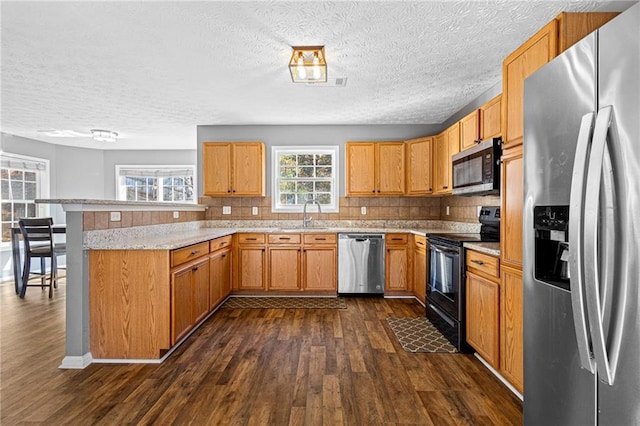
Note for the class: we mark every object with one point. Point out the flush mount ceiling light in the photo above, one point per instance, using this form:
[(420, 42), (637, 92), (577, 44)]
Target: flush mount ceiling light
[(308, 64), (104, 135)]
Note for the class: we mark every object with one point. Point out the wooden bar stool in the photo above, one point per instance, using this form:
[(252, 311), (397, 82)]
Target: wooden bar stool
[(38, 243)]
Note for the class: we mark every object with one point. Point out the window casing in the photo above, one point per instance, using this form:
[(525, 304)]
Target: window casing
[(173, 184), (23, 179), (301, 173)]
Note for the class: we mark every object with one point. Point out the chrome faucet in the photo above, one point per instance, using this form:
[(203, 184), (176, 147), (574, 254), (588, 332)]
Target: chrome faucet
[(306, 221)]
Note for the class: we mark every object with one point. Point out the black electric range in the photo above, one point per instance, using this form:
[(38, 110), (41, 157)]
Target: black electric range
[(489, 230)]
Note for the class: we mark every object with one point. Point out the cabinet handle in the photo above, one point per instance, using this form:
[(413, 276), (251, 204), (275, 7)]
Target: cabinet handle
[(378, 190), (234, 190), (320, 239), (193, 253), (251, 239), (228, 190), (478, 262), (374, 191), (284, 238), (430, 189), (195, 268), (396, 239), (224, 243), (224, 255)]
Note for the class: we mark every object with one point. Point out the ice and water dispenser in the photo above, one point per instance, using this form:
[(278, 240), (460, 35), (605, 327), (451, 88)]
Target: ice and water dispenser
[(551, 225)]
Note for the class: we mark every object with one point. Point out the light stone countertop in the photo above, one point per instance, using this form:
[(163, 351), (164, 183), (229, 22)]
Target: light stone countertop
[(492, 249), (174, 236)]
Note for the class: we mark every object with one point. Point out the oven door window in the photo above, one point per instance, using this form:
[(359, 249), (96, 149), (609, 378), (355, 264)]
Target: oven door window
[(444, 278)]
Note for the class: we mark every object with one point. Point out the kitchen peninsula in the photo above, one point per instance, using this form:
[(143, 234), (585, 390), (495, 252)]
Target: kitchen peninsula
[(121, 278)]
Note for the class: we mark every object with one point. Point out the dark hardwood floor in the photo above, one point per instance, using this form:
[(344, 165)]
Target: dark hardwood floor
[(253, 366)]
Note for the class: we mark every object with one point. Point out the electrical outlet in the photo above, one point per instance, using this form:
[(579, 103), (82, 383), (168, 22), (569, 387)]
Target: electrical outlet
[(176, 215), (447, 212), (254, 211), (226, 209), (479, 210), (363, 210), (114, 216)]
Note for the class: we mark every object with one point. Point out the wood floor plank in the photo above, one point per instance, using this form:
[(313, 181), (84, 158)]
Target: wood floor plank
[(245, 367)]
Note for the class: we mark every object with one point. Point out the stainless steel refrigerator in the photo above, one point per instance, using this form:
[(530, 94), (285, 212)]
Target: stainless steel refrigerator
[(582, 232)]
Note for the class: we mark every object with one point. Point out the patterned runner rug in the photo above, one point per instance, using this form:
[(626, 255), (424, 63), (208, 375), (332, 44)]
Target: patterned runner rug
[(285, 303), (419, 335)]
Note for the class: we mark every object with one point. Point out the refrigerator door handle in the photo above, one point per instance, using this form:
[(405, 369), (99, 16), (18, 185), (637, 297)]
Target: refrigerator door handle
[(606, 362), (576, 247)]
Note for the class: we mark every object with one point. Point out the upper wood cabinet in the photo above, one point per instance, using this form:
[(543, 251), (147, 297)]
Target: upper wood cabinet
[(446, 144), (470, 130), (375, 168), (233, 168), (491, 118), (419, 166), (558, 35)]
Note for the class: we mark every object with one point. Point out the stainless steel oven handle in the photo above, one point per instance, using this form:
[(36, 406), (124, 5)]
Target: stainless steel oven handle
[(444, 250)]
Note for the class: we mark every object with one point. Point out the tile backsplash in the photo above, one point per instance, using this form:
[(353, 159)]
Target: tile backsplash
[(461, 209)]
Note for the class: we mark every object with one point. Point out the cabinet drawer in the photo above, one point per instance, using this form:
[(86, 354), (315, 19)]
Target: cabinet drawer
[(420, 241), (251, 238), (484, 263), (219, 243), (186, 254), (396, 239), (284, 238), (319, 238)]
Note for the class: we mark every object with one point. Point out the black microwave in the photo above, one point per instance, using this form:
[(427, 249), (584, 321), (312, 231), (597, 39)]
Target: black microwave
[(476, 170)]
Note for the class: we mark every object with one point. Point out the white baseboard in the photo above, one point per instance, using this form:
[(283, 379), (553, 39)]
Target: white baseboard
[(76, 362), (499, 376)]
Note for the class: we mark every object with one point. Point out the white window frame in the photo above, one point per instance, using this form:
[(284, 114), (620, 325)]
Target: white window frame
[(121, 190), (43, 180), (334, 150)]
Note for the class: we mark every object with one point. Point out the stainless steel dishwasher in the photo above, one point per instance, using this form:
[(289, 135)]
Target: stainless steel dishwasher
[(360, 263)]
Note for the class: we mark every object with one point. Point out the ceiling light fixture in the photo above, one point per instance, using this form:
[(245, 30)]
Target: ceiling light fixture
[(104, 135), (308, 64)]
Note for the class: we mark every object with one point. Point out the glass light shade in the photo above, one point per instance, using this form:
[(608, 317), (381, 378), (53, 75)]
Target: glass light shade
[(308, 64)]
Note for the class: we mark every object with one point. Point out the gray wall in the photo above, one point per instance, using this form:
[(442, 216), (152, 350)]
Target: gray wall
[(309, 135)]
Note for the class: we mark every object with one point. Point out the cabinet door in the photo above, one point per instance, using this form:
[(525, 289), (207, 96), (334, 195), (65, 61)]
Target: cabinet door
[(397, 269), (284, 268), (511, 351), (491, 118), (483, 317), (453, 139), (512, 200), (217, 277), (419, 166), (216, 168), (360, 168), (470, 130), (533, 54), (441, 148), (319, 268), (248, 168), (390, 168), (225, 274), (181, 301), (200, 283), (420, 273), (251, 262)]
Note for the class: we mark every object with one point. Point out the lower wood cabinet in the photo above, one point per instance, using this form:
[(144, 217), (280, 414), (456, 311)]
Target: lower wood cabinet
[(219, 276), (511, 343), (189, 297), (397, 263), (284, 268), (483, 312), (319, 262), (420, 267), (250, 261)]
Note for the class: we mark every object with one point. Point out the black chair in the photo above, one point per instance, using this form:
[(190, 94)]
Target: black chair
[(38, 243)]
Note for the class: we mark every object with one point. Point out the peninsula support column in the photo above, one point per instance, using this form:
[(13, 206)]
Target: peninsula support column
[(77, 350)]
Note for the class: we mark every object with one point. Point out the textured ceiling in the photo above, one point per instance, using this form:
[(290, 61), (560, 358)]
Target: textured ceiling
[(153, 71)]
